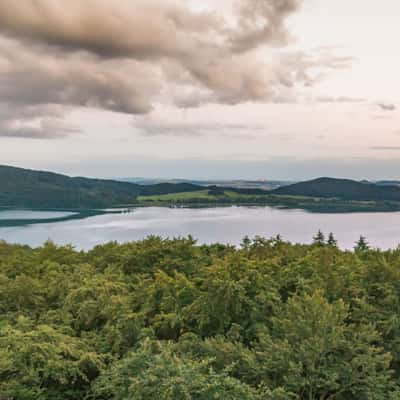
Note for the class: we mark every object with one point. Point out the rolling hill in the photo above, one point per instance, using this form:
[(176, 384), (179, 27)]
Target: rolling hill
[(24, 188), (38, 189), (344, 189)]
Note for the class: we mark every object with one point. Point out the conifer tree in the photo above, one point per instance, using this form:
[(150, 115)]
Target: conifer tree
[(332, 241), (361, 244), (319, 238), (246, 243)]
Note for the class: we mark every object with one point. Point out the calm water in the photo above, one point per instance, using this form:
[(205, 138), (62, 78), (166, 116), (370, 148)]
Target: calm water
[(227, 225), (27, 214)]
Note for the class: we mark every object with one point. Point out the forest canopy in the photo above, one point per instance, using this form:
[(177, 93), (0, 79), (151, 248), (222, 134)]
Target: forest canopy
[(174, 320)]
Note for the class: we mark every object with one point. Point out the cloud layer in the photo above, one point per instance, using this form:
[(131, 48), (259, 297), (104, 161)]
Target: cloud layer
[(145, 29), (387, 106), (154, 127), (126, 56)]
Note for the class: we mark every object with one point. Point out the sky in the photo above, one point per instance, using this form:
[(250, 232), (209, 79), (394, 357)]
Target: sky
[(227, 89)]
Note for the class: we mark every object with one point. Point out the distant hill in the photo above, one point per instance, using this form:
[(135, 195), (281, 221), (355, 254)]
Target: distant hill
[(345, 189), (24, 188), (227, 183), (38, 189), (388, 183)]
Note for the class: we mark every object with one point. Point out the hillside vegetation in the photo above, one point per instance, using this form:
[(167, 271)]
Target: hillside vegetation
[(170, 320), (21, 188), (206, 196), (38, 189), (229, 196), (342, 189)]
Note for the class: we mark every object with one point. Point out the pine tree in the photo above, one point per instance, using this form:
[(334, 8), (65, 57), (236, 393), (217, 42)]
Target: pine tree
[(361, 244), (332, 241), (277, 240), (246, 243), (319, 239)]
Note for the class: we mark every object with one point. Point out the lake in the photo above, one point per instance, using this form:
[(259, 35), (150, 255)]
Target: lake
[(30, 214), (208, 225)]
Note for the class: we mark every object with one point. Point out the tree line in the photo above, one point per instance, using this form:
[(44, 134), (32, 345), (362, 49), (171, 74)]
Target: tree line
[(174, 320)]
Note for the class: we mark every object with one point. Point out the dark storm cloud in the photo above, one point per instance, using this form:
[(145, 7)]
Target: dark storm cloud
[(125, 56)]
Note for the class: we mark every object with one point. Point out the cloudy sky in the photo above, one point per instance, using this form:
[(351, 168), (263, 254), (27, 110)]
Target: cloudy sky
[(275, 89)]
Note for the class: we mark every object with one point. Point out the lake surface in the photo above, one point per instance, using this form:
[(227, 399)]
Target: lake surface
[(208, 225), (28, 214)]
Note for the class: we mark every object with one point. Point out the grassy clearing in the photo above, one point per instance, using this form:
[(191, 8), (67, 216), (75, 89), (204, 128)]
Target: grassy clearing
[(201, 195), (293, 197), (313, 204), (240, 196), (228, 195)]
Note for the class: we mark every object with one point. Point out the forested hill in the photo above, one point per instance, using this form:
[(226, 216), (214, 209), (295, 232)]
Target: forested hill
[(37, 189), (341, 188)]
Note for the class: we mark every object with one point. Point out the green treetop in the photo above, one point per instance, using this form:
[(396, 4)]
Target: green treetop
[(361, 244), (332, 241), (319, 238)]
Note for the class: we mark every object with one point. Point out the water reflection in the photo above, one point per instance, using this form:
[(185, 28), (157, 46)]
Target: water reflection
[(227, 225)]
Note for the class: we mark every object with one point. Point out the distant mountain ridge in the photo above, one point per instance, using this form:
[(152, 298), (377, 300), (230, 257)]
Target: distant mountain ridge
[(345, 189), (388, 183), (40, 189), (24, 188), (228, 183)]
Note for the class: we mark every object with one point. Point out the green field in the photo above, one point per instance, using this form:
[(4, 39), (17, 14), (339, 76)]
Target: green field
[(171, 197), (296, 197), (202, 195), (234, 195), (230, 197), (228, 194)]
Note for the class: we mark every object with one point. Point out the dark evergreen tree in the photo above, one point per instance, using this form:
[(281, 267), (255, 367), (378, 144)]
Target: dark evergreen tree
[(278, 239), (246, 243), (361, 244), (332, 241), (319, 238)]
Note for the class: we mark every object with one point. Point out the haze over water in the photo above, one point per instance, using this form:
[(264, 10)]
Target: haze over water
[(209, 225)]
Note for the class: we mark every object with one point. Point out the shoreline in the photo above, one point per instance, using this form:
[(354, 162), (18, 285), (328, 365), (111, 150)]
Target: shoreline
[(77, 214)]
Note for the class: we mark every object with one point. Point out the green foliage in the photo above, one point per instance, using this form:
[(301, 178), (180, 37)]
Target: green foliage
[(331, 240), (319, 239), (178, 197), (170, 320), (342, 189), (39, 362), (154, 371), (212, 195), (362, 244), (37, 189), (311, 350), (22, 188)]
